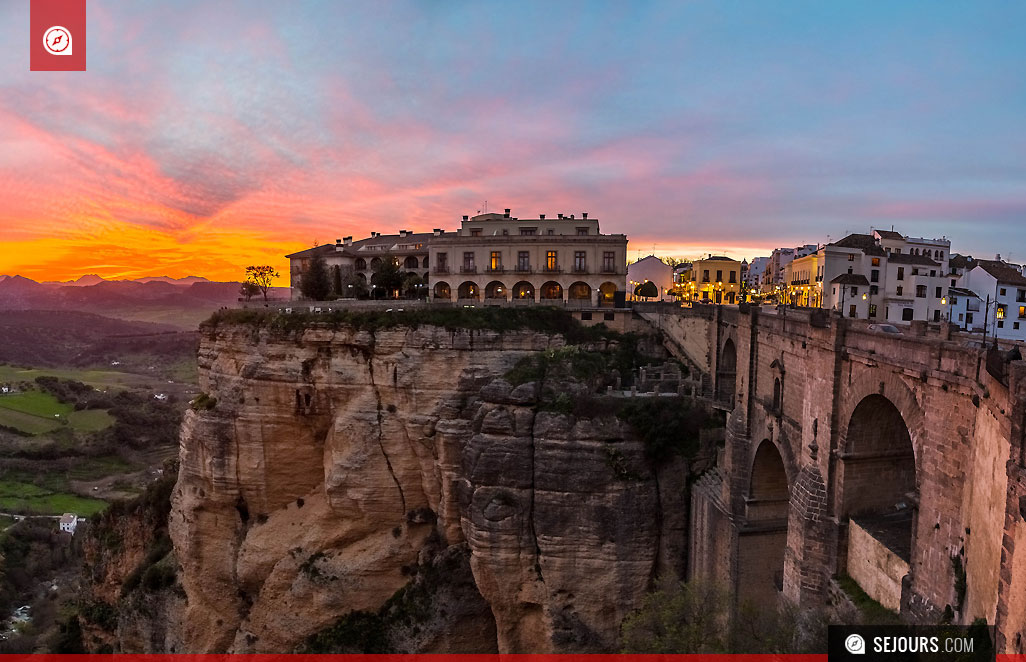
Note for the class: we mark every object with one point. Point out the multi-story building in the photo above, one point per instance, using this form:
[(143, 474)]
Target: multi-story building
[(716, 279), (879, 276), (1002, 287), (361, 258), (496, 257), (774, 274), (756, 270)]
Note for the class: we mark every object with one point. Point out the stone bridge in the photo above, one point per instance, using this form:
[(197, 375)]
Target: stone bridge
[(895, 459)]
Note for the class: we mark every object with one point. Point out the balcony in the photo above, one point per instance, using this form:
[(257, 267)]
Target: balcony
[(580, 269), (495, 270), (523, 269), (609, 270), (442, 269), (552, 269), (468, 269)]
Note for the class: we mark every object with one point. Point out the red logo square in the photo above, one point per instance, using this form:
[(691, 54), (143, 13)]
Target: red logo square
[(57, 40)]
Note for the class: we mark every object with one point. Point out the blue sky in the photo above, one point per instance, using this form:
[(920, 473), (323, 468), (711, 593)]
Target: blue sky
[(223, 130)]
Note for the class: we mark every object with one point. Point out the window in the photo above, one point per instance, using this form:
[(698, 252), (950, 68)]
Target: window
[(933, 273), (968, 318), (608, 317), (940, 255), (915, 271), (874, 290), (897, 251), (906, 314), (938, 294), (550, 232), (920, 291), (1001, 325), (586, 317), (1015, 326), (900, 290), (851, 270), (550, 261), (874, 276), (733, 276), (952, 282), (582, 232), (523, 261), (528, 232), (719, 275), (876, 262), (495, 261), (443, 262), (1021, 296), (475, 232), (505, 233), (705, 275), (1003, 291), (580, 262), (608, 261), (901, 273), (854, 291), (1022, 312), (872, 310), (468, 261), (851, 257), (1000, 311)]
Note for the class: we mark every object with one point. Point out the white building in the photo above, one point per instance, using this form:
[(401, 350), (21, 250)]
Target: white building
[(650, 270), (756, 270), (883, 276), (1002, 287), (68, 523), (965, 309)]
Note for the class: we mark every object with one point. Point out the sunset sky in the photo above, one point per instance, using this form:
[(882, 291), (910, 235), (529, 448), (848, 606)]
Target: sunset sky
[(209, 135)]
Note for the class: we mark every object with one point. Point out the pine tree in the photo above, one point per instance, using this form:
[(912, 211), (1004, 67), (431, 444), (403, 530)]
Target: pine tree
[(316, 282)]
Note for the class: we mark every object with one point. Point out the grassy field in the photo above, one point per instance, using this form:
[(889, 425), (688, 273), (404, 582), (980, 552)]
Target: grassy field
[(35, 413), (90, 420), (96, 378), (19, 497)]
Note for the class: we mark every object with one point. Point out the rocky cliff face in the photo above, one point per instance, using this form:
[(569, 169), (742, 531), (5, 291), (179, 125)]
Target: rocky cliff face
[(395, 473)]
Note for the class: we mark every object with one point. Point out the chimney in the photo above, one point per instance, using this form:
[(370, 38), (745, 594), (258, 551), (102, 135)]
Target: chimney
[(338, 244), (998, 257), (571, 215), (584, 215), (561, 216), (402, 233), (348, 241), (374, 234), (465, 217), (506, 214), (436, 232), (541, 217)]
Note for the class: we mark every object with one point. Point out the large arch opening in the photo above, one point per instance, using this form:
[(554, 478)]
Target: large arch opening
[(468, 290), (523, 290), (763, 539), (607, 294), (361, 264), (879, 497), (552, 290), (411, 263), (580, 291), (726, 373), (495, 290), (442, 290)]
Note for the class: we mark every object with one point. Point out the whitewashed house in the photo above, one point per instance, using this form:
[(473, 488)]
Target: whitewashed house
[(68, 523)]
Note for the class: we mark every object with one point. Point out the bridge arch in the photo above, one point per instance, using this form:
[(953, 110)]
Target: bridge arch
[(726, 372), (762, 543)]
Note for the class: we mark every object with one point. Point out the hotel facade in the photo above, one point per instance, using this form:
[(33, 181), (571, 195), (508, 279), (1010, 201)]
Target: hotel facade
[(491, 258)]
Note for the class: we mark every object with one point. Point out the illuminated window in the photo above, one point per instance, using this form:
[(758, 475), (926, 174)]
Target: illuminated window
[(876, 262), (495, 261), (1022, 312), (550, 261), (1001, 312), (851, 257)]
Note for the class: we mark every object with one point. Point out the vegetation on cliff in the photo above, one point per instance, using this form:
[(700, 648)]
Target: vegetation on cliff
[(542, 319)]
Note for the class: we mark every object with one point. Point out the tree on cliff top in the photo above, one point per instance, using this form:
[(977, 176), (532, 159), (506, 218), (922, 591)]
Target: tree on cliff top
[(315, 283), (261, 277)]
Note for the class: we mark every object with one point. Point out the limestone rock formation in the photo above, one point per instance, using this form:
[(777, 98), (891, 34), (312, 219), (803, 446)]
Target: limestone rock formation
[(339, 463)]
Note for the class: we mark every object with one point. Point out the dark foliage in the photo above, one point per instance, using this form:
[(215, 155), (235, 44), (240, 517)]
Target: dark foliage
[(667, 426), (315, 283)]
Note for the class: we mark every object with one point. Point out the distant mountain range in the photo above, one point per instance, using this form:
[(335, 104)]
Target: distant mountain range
[(181, 302)]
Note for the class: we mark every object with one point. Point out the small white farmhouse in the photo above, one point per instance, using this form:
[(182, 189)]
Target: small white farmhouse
[(69, 522)]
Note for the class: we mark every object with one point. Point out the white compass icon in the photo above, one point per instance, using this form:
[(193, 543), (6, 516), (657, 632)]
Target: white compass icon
[(57, 40)]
